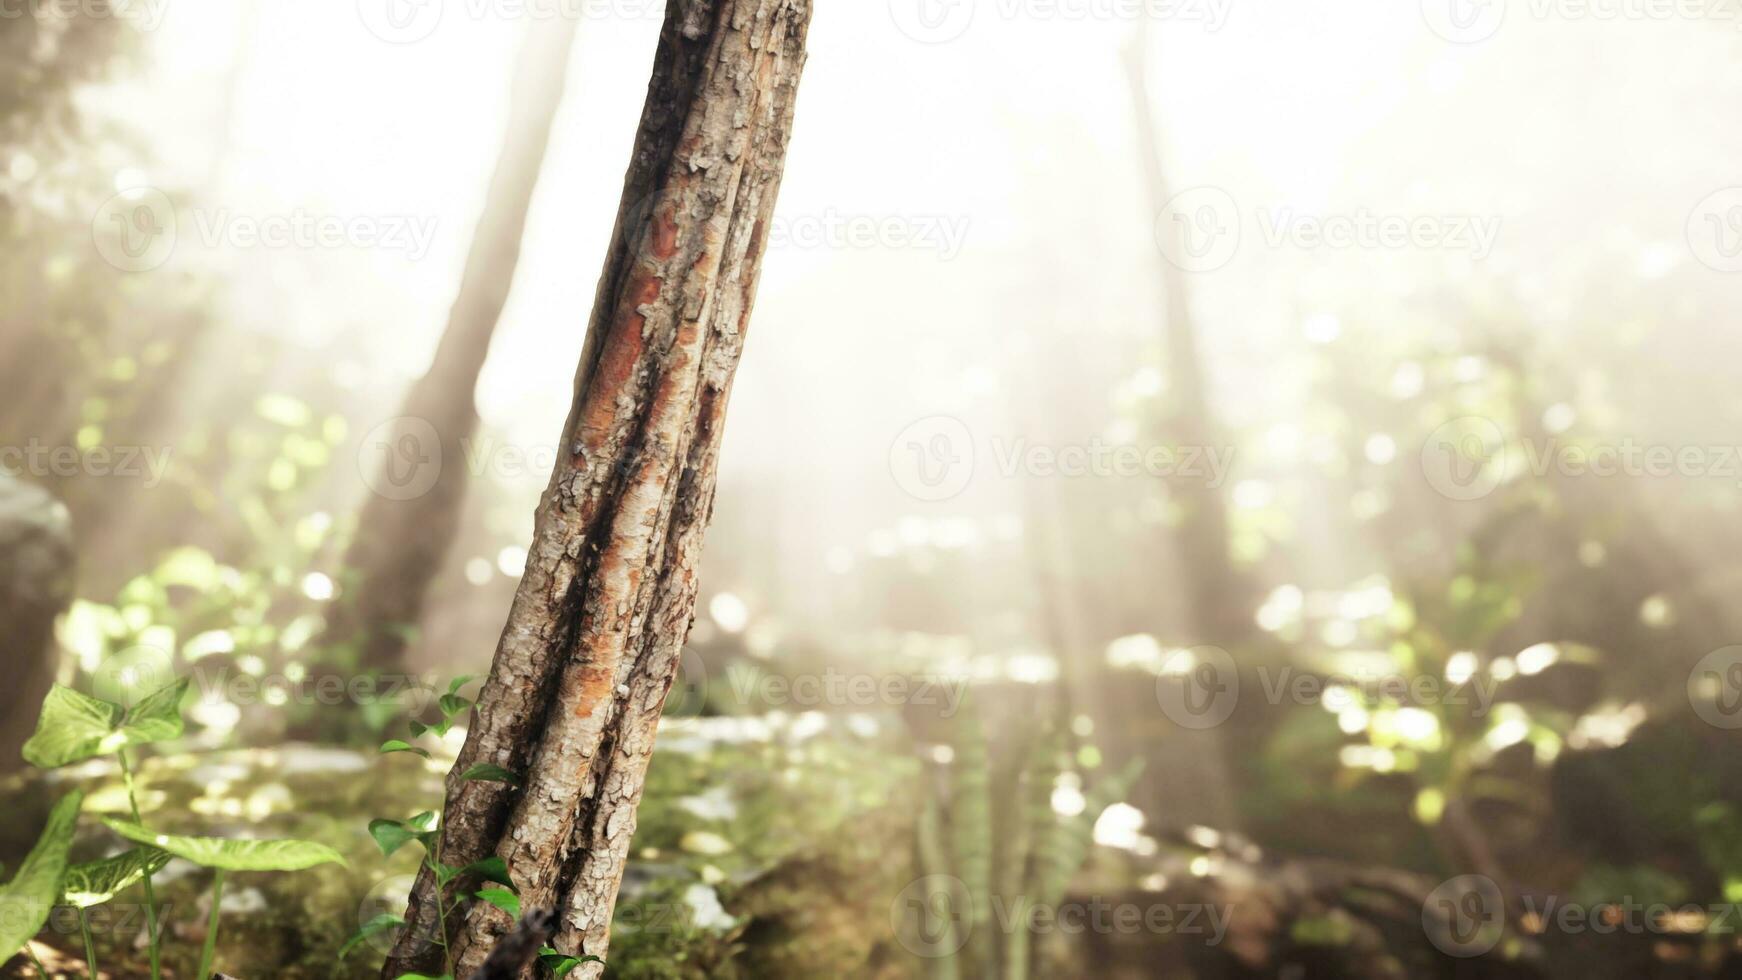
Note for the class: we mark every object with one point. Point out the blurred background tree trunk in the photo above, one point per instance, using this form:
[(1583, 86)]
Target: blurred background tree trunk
[(1190, 776), (401, 539), (592, 643), (36, 583)]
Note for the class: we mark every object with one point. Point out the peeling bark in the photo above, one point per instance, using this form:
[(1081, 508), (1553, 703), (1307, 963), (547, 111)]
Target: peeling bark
[(400, 545), (592, 642)]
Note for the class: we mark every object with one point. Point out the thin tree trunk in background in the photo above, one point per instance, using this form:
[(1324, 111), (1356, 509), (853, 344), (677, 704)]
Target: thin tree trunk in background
[(592, 642), (400, 544), (1218, 596)]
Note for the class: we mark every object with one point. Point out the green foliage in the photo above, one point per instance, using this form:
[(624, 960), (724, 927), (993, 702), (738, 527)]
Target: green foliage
[(1020, 854), (96, 882), (25, 901), (231, 855), (74, 727), (392, 835), (561, 964)]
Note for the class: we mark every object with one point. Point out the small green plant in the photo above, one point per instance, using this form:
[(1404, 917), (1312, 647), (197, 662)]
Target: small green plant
[(424, 829), (998, 832), (74, 727)]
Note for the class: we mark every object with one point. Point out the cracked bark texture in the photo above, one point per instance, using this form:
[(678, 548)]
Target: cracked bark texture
[(592, 643), (400, 544)]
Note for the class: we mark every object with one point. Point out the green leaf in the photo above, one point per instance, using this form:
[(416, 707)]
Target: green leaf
[(485, 772), (503, 899), (444, 873), (451, 705), (562, 964), (491, 868), (74, 727), (396, 745), (459, 682), (157, 716), (423, 821), (423, 976), (379, 924), (25, 900), (232, 855), (96, 882), (391, 835)]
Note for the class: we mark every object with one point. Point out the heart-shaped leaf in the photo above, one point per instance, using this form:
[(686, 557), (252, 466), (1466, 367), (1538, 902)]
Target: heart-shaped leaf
[(26, 899), (157, 716), (96, 882), (485, 772), (379, 924), (391, 835), (396, 745), (491, 868), (503, 899), (74, 727), (232, 855), (451, 705)]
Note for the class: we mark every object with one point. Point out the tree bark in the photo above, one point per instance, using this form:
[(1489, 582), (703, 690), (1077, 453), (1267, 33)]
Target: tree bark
[(400, 544), (593, 639)]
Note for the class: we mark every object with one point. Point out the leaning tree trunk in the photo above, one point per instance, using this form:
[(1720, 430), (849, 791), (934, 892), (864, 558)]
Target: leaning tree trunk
[(592, 642), (402, 538)]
